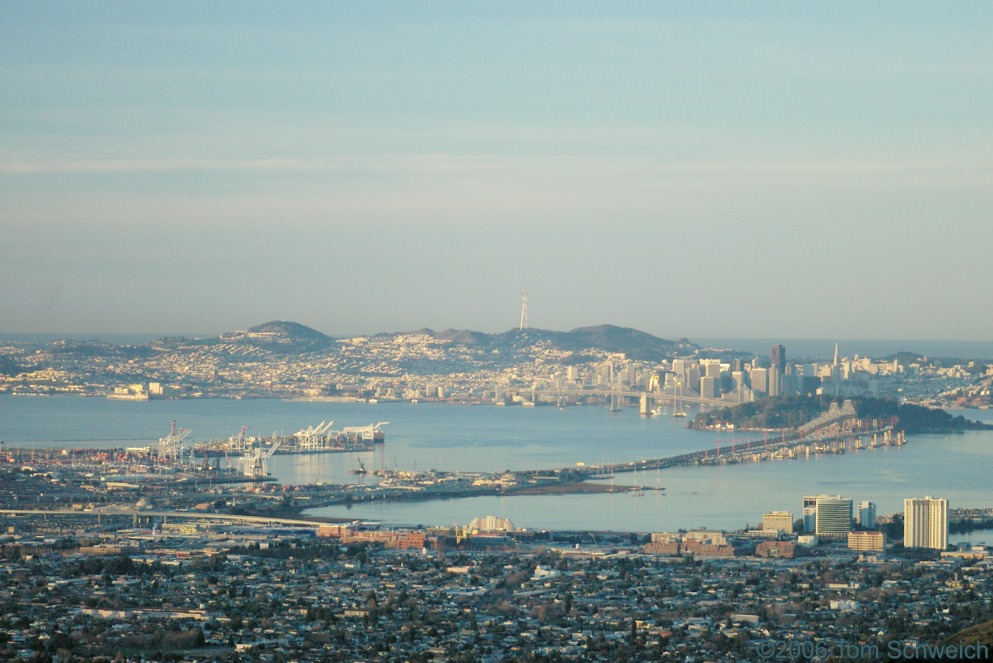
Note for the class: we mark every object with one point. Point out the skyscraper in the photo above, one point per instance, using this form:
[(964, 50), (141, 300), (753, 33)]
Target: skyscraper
[(866, 515), (775, 382), (708, 387), (833, 519), (827, 515), (778, 358), (925, 523), (760, 380), (810, 513), (711, 367)]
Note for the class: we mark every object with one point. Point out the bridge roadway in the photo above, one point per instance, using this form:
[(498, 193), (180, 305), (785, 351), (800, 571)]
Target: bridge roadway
[(723, 453)]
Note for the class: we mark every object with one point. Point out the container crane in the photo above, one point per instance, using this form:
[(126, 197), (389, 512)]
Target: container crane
[(370, 433), (255, 462), (171, 446), (312, 437)]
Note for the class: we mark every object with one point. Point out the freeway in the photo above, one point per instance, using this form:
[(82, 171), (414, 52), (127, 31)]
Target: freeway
[(132, 513)]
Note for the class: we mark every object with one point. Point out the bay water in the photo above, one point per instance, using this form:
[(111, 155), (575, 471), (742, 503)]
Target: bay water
[(487, 438)]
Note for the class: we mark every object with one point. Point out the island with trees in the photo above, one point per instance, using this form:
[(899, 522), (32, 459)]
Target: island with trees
[(790, 412)]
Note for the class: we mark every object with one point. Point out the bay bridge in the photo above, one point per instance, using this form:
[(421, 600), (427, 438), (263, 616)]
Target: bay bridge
[(836, 431)]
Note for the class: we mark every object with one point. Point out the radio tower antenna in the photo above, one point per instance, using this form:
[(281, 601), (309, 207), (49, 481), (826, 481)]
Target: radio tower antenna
[(524, 310)]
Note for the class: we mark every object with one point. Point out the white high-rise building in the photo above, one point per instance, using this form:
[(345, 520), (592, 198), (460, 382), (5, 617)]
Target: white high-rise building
[(711, 367), (866, 515), (774, 382), (708, 387), (925, 523), (760, 380)]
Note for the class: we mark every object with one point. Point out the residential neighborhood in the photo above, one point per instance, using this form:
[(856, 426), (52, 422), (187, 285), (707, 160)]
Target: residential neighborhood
[(184, 591)]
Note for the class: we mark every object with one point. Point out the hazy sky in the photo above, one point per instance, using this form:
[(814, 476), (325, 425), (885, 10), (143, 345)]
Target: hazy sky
[(686, 168)]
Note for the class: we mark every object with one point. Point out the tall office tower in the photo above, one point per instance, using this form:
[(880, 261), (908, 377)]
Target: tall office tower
[(810, 512), (711, 367), (833, 516), (679, 368), (760, 381), (866, 515), (775, 379), (778, 358), (692, 375), (605, 373), (708, 387), (925, 523)]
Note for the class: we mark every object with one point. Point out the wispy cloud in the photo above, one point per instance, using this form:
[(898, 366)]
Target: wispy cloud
[(57, 166), (442, 164)]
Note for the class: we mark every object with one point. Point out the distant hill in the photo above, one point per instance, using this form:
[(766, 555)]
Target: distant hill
[(286, 337), (291, 330), (609, 338), (463, 336), (281, 336), (633, 343), (905, 358)]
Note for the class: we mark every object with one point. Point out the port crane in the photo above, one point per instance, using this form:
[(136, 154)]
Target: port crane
[(365, 433), (237, 443), (171, 446), (255, 462), (312, 437)]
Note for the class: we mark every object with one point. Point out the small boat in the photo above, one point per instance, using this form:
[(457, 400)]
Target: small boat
[(361, 468)]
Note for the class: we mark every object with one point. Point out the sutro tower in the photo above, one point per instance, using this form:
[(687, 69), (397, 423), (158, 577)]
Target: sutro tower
[(524, 309)]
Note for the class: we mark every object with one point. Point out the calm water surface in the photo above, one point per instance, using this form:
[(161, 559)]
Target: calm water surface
[(488, 438)]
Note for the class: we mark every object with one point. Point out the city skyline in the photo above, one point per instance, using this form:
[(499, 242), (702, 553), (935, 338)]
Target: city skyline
[(687, 170)]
